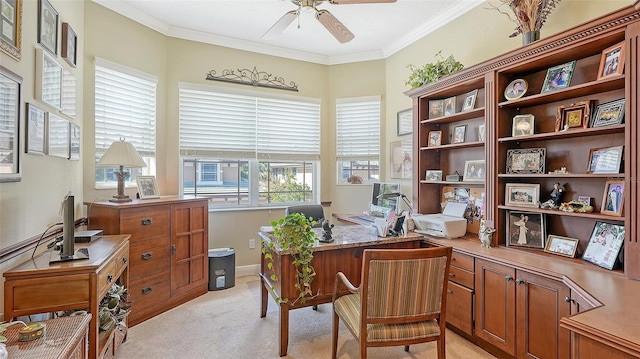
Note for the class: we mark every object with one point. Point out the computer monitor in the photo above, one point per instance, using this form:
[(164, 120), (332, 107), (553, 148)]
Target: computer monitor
[(388, 204), (68, 252)]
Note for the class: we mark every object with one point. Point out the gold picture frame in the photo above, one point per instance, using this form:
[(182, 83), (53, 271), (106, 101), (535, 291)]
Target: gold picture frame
[(562, 246), (11, 35)]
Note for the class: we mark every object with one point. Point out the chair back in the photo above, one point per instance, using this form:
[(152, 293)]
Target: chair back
[(314, 211), (404, 285)]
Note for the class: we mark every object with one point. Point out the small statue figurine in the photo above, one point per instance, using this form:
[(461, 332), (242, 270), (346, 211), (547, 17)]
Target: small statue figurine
[(485, 234), (327, 236), (556, 194)]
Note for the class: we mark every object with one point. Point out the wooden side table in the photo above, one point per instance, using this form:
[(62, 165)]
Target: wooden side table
[(65, 338)]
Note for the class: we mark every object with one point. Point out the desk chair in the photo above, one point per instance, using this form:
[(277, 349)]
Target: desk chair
[(314, 211), (389, 309)]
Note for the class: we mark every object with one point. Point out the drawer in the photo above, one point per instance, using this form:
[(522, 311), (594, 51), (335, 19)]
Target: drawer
[(145, 222), (106, 277), (460, 307), (461, 277), (463, 261), (122, 259), (149, 256), (151, 290)]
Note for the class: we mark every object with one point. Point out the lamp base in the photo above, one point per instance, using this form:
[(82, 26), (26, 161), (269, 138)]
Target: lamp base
[(120, 198)]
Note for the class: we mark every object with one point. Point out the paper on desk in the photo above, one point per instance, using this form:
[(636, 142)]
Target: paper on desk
[(381, 227)]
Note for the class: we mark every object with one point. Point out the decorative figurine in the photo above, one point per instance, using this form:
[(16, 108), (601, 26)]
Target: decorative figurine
[(327, 236), (556, 194), (485, 234)]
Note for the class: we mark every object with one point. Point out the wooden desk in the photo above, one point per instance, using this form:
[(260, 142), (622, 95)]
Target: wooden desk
[(36, 286), (343, 255), (64, 338)]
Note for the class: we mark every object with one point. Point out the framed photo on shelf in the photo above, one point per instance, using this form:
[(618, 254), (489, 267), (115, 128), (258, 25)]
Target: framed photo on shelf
[(612, 61), (523, 125), (604, 244), (435, 138), (613, 198), (433, 175), (528, 160), (608, 113), (525, 229), (470, 100), (147, 187), (558, 77), (585, 199), (450, 106), (563, 246), (47, 26), (436, 108), (11, 34), (36, 130), (481, 133), (11, 95), (69, 45), (401, 164), (574, 116), (459, 133), (474, 170), (605, 160), (516, 89), (522, 194)]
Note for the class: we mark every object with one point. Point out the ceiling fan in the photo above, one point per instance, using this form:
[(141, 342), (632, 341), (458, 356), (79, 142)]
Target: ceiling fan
[(330, 22)]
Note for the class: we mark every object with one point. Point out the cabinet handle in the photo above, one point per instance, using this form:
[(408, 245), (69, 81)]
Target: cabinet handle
[(147, 221), (508, 278), (173, 249), (124, 260), (569, 299), (452, 274), (449, 291), (147, 255), (519, 281), (110, 278), (147, 290)]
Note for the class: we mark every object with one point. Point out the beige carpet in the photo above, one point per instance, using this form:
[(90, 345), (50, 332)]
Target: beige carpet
[(226, 324)]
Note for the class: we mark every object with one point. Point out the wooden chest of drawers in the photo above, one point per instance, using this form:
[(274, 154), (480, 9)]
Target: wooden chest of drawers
[(460, 292), (168, 246)]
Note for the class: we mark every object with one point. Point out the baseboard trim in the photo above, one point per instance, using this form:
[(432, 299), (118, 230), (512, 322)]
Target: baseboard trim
[(243, 271)]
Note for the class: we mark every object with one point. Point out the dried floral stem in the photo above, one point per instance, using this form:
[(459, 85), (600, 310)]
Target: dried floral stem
[(529, 15)]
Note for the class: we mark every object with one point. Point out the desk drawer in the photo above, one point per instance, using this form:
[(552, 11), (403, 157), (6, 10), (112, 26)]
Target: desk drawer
[(150, 256), (463, 261), (106, 277), (122, 259), (461, 277), (460, 307), (151, 290), (145, 222)]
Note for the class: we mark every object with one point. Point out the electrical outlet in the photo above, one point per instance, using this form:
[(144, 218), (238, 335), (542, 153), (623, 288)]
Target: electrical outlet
[(252, 243)]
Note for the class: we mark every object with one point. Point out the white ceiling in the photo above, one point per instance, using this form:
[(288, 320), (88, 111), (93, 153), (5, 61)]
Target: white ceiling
[(380, 29)]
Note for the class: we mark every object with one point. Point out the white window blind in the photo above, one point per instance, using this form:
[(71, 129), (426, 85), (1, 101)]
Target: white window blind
[(229, 125), (125, 106), (358, 129)]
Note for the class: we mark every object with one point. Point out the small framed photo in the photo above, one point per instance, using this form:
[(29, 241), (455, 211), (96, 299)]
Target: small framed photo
[(474, 170), (605, 160), (470, 100), (69, 45), (516, 89), (585, 199), (612, 61), (563, 246), (609, 113), (481, 133), (147, 187), (526, 229), (459, 133), (604, 244), (450, 106), (522, 125), (48, 26), (558, 77), (433, 175), (11, 34), (613, 198), (528, 160), (36, 130), (522, 194), (574, 116), (436, 108), (435, 138)]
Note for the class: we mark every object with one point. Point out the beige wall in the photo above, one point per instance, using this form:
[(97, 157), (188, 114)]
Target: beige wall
[(27, 207)]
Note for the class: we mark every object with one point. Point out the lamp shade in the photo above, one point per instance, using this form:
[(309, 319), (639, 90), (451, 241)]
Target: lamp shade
[(121, 153)]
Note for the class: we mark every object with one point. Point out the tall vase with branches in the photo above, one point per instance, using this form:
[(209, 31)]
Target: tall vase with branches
[(528, 15)]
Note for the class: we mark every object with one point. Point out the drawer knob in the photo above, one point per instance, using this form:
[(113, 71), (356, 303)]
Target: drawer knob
[(147, 255), (519, 281), (449, 291), (110, 278), (569, 299), (124, 260), (508, 278), (147, 221), (452, 274), (147, 290)]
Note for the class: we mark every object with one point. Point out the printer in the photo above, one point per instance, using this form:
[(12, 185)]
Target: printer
[(448, 224)]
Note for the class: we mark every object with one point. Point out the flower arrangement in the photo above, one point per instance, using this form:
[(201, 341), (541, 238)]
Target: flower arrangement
[(529, 15)]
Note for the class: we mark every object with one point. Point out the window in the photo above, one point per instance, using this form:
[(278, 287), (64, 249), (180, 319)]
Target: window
[(125, 106), (248, 149), (358, 138)]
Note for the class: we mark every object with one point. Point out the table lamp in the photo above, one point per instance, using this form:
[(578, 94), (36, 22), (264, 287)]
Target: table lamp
[(122, 154), (395, 195)]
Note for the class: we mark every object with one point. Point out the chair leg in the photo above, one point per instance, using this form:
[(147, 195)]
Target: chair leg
[(315, 307), (406, 348), (442, 354), (334, 337), (363, 346)]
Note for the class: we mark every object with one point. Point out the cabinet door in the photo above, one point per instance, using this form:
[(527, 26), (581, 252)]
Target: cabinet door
[(540, 305), (460, 307), (189, 246), (495, 305)]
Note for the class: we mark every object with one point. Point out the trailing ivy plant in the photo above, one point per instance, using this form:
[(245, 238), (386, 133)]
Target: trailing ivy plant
[(433, 71), (294, 234)]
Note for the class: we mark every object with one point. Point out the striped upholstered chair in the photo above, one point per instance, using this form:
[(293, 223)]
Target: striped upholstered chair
[(401, 299)]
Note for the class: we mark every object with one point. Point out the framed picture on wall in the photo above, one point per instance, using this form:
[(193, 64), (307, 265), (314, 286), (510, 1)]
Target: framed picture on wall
[(69, 45), (36, 130), (48, 27), (401, 163), (405, 122), (11, 34)]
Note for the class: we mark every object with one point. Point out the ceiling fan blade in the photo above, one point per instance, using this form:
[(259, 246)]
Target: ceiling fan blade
[(335, 27), (346, 2), (280, 25)]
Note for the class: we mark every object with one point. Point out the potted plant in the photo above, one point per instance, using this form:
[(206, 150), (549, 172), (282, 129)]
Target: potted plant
[(113, 309), (433, 71), (294, 233)]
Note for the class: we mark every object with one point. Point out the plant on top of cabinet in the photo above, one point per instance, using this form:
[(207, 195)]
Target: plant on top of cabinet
[(433, 71)]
